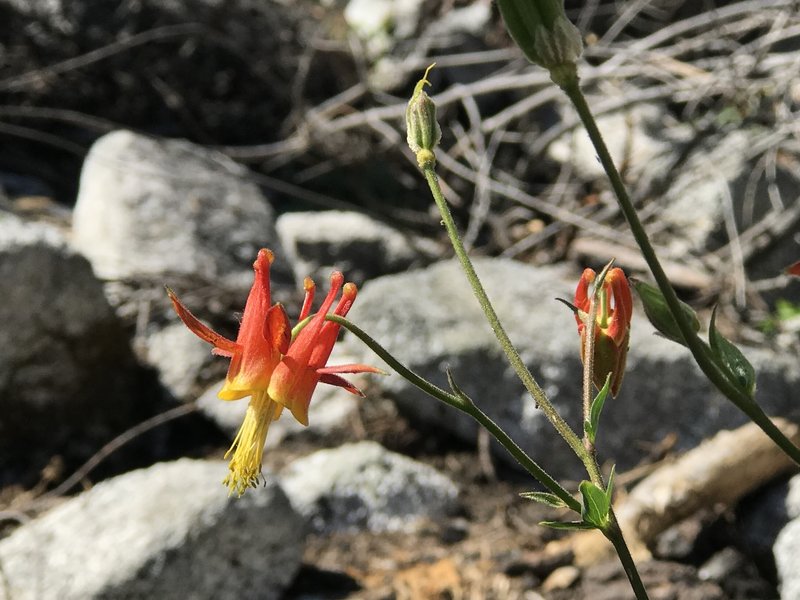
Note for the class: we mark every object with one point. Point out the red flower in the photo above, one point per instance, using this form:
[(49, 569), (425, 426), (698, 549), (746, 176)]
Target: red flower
[(264, 335), (304, 365), (267, 366), (612, 324)]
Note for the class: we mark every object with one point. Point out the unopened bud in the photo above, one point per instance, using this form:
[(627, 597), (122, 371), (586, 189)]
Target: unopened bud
[(612, 324), (560, 45), (421, 126), (543, 32), (659, 314)]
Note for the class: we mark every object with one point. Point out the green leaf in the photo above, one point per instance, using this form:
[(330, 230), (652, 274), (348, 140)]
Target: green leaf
[(569, 525), (595, 505), (544, 498), (658, 313), (742, 374), (591, 426)]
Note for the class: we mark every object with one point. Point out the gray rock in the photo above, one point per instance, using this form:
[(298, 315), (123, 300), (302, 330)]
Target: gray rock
[(359, 246), (331, 408), (364, 486), (430, 321), (149, 207), (168, 531), (787, 549), (66, 368), (180, 358)]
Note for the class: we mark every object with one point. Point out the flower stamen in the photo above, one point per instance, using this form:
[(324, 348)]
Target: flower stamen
[(248, 446)]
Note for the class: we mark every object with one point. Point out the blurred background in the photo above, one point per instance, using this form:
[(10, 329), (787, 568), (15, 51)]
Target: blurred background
[(145, 143)]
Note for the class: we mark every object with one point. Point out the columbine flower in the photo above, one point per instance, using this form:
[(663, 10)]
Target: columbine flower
[(263, 342), (304, 365), (612, 324)]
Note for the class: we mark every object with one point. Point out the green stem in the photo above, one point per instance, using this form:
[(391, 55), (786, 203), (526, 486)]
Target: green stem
[(614, 534), (505, 342), (464, 404), (570, 84)]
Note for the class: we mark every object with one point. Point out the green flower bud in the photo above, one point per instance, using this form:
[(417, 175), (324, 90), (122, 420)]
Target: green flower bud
[(658, 313), (423, 130), (543, 32)]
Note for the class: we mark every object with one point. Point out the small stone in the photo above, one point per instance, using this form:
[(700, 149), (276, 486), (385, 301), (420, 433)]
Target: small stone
[(721, 565), (364, 486), (359, 246), (561, 579)]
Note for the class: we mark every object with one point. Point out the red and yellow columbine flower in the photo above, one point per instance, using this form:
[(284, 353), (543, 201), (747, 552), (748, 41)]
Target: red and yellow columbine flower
[(612, 324), (263, 344)]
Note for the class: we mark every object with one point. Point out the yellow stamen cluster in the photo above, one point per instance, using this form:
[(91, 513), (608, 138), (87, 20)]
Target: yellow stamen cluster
[(248, 447)]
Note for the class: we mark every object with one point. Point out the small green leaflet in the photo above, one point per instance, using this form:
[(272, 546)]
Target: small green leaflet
[(544, 498), (595, 505), (590, 426)]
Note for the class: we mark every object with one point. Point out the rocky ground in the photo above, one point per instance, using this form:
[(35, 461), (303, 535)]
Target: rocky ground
[(165, 143)]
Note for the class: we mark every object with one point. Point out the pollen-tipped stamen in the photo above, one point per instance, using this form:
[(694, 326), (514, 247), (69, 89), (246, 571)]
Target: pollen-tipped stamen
[(248, 446), (310, 288)]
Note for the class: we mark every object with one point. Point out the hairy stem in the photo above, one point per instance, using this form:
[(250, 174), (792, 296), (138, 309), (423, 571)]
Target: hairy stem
[(505, 342), (588, 364)]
